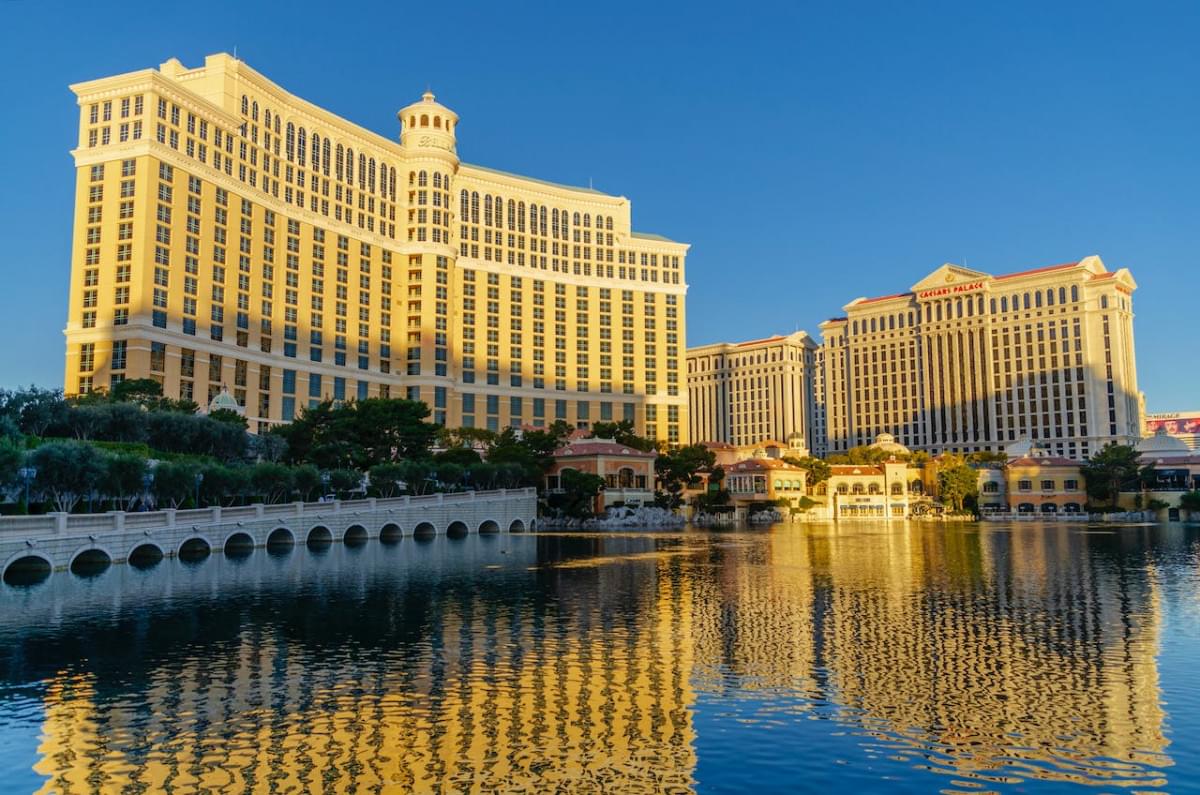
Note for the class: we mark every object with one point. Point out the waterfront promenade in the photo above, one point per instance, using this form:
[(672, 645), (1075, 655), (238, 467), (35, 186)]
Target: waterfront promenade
[(30, 545)]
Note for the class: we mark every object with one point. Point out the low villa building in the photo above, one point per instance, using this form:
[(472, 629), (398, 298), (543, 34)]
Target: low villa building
[(757, 481), (1033, 484), (628, 473)]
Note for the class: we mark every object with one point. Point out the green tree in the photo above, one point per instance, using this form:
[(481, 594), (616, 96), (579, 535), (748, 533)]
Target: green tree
[(577, 495), (35, 409), (957, 482), (122, 479), (124, 422), (816, 470), (1190, 501), (224, 485), (677, 469), (387, 479), (449, 474), (1110, 471), (416, 476), (272, 481), (344, 481), (481, 476), (229, 416), (67, 471), (174, 482), (306, 481), (143, 391), (622, 433), (11, 458), (463, 456)]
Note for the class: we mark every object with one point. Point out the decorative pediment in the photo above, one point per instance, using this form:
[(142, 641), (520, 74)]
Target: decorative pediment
[(949, 275)]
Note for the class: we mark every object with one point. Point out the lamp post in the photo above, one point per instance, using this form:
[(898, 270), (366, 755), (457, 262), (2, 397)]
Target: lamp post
[(199, 480), (27, 475), (324, 485)]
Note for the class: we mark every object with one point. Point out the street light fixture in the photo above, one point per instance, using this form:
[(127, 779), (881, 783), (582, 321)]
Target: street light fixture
[(27, 475), (147, 482)]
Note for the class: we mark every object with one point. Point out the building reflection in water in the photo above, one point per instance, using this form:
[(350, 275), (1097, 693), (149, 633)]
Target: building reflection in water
[(579, 664)]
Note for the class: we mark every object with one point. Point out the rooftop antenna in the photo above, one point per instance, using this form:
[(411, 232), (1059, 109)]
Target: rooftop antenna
[(235, 52), (590, 184)]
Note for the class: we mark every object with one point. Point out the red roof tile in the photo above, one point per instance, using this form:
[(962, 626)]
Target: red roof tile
[(587, 447), (1034, 271)]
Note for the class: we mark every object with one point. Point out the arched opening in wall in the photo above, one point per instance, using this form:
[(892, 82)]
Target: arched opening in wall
[(424, 532), (90, 562), (355, 536), (391, 533), (145, 556), (489, 527), (29, 570), (517, 526), (456, 530), (238, 545), (320, 537), (280, 540), (194, 549)]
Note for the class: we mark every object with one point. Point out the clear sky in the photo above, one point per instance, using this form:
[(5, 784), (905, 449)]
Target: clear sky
[(810, 153)]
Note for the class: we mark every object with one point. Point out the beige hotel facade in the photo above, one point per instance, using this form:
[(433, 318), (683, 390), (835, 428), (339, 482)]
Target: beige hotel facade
[(962, 362), (228, 234)]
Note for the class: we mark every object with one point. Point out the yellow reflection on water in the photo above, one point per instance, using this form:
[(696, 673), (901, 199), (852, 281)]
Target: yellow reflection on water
[(987, 656)]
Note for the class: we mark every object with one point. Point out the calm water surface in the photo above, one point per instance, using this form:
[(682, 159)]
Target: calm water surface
[(797, 658)]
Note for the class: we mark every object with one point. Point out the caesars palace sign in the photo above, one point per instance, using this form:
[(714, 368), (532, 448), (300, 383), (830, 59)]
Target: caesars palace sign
[(938, 292)]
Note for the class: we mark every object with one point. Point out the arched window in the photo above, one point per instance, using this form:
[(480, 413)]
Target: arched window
[(339, 167), (873, 488), (512, 221), (424, 120), (858, 488), (1074, 293), (437, 180), (349, 165), (587, 220), (520, 216), (1004, 303), (289, 142), (464, 205), (842, 488), (392, 184), (316, 152), (542, 219), (371, 175), (254, 110), (267, 119), (301, 146), (1026, 300), (1049, 298), (422, 179), (277, 124), (533, 219), (245, 104), (1062, 295), (474, 207), (575, 219), (487, 210), (362, 171), (897, 489), (625, 477), (1037, 299), (325, 157), (498, 217)]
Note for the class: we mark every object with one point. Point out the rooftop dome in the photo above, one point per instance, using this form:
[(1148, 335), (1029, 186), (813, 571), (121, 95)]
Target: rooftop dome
[(888, 443), (1163, 445), (224, 400)]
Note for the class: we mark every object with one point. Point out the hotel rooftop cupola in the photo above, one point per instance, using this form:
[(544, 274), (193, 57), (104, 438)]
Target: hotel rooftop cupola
[(428, 124)]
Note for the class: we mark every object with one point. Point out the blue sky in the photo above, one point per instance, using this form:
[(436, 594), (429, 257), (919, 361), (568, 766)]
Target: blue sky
[(810, 153)]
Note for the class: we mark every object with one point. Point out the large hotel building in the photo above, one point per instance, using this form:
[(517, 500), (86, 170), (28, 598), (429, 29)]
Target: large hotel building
[(966, 362), (747, 392), (231, 235)]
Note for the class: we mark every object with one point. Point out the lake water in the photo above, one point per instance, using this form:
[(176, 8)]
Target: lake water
[(855, 658)]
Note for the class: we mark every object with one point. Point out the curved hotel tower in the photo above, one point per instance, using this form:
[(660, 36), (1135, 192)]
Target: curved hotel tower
[(229, 234)]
